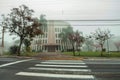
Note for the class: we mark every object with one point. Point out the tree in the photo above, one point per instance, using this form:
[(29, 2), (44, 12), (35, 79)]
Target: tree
[(64, 36), (101, 37), (13, 49), (89, 43), (76, 39), (43, 21), (79, 40), (27, 44), (97, 46), (117, 44), (22, 24)]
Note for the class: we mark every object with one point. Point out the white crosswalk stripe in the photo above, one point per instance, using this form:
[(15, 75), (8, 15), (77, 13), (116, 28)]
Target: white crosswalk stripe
[(59, 69), (49, 69), (56, 75), (62, 63), (45, 65)]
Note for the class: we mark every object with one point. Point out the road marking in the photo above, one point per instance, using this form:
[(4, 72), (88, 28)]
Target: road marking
[(104, 63), (64, 60), (59, 65), (59, 69), (8, 64), (56, 75)]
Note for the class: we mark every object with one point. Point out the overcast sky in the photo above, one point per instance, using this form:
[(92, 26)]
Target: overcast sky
[(73, 10), (68, 9)]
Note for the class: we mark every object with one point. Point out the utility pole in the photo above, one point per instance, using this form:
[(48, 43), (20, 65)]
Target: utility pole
[(2, 45), (3, 30), (3, 25), (108, 45)]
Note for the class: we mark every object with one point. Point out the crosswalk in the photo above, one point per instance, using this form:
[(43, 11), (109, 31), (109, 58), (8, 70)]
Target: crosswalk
[(62, 69)]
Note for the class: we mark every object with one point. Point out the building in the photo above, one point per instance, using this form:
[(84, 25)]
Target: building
[(50, 41)]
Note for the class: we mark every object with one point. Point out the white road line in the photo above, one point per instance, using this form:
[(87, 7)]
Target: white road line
[(59, 65), (7, 64), (64, 61), (56, 75), (60, 69)]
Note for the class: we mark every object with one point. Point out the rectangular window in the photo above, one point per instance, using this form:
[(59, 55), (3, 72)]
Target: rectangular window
[(56, 41), (59, 41), (45, 41), (55, 29), (56, 35)]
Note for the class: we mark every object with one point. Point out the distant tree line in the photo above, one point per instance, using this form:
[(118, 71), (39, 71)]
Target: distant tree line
[(77, 39)]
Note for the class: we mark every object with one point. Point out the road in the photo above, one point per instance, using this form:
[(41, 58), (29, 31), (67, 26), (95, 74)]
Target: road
[(33, 69)]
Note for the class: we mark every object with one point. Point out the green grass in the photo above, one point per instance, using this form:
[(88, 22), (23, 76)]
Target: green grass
[(28, 54), (95, 54)]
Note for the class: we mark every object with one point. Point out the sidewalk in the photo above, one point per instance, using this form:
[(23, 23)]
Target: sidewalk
[(56, 56), (60, 56)]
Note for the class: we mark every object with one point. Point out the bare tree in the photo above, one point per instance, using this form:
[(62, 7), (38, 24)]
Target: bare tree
[(101, 37), (76, 39)]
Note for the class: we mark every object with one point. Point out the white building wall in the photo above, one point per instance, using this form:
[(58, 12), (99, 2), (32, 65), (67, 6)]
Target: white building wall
[(50, 36)]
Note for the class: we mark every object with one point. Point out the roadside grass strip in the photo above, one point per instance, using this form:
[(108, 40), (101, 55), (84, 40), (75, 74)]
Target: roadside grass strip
[(56, 75)]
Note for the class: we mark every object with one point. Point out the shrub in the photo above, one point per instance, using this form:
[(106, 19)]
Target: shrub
[(13, 49)]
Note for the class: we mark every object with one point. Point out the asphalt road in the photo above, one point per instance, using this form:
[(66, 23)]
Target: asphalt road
[(33, 69)]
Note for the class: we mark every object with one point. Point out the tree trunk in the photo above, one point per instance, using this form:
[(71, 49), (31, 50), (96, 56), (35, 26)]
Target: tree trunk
[(64, 46), (73, 49), (19, 48), (3, 37), (119, 49), (88, 47), (101, 50)]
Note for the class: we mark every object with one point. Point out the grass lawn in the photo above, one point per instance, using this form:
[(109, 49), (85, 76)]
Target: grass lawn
[(94, 54)]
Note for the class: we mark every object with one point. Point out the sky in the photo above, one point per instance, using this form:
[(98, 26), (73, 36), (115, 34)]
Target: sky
[(73, 10), (68, 9)]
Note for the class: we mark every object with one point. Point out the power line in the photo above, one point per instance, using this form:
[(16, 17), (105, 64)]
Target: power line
[(87, 24), (87, 20), (99, 25)]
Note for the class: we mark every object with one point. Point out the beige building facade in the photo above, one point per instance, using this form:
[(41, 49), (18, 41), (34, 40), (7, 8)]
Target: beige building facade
[(50, 41)]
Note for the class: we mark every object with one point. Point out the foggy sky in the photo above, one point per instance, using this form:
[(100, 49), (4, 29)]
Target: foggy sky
[(71, 10), (68, 9)]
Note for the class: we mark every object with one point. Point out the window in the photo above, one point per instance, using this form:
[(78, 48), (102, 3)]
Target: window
[(55, 29), (56, 35), (56, 41)]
